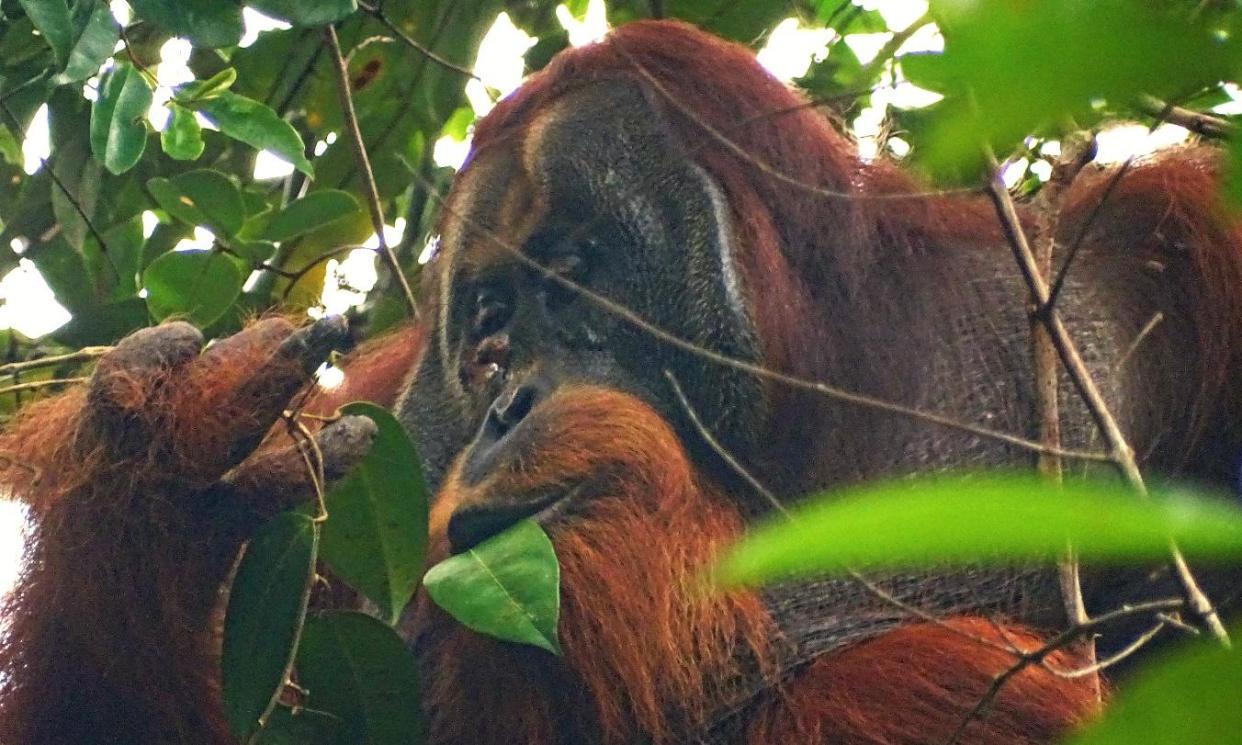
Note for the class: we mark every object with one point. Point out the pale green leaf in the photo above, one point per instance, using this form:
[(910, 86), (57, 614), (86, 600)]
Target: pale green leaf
[(310, 212), (978, 518), (256, 125), (118, 118), (508, 587)]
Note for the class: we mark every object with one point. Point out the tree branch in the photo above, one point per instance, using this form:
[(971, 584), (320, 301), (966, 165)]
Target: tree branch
[(364, 167)]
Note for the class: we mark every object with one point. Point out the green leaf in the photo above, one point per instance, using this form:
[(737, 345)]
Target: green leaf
[(207, 23), (94, 44), (118, 118), (201, 90), (358, 669), (201, 197), (376, 532), (1189, 696), (51, 18), (256, 125), (302, 13), (981, 517), (310, 212), (267, 604), (1010, 69), (507, 587), (103, 324), (200, 285), (301, 727), (182, 138)]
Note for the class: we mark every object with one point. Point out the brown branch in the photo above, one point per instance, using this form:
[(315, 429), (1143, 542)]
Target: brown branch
[(364, 167), (1076, 152), (82, 355), (378, 13), (1198, 122), (36, 384), (892, 46), (1038, 656), (824, 389), (1122, 454), (764, 167)]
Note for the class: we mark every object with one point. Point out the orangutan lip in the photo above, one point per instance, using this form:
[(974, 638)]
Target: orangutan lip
[(474, 524)]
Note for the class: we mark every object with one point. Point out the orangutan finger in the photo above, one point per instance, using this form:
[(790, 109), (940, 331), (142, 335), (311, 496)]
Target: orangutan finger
[(270, 483)]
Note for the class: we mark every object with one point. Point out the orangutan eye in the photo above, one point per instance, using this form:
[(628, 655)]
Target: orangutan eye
[(492, 311), (566, 273)]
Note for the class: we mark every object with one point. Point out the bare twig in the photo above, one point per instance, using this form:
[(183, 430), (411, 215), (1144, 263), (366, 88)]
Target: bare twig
[(753, 481), (364, 167), (764, 167), (1076, 152), (1122, 454), (824, 389), (36, 384), (378, 13), (1038, 656), (1198, 122), (892, 46), (84, 354)]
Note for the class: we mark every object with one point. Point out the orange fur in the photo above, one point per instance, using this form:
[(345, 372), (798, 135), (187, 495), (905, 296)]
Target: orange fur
[(645, 642), (916, 684)]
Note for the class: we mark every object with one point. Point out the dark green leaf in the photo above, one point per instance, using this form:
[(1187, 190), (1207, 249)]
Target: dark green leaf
[(182, 138), (75, 193), (978, 517), (1191, 696), (507, 587), (376, 534), (256, 125), (51, 18), (302, 13), (311, 211), (200, 285), (358, 669), (207, 23), (118, 118), (201, 197), (267, 604), (103, 324), (254, 252), (301, 727), (95, 41)]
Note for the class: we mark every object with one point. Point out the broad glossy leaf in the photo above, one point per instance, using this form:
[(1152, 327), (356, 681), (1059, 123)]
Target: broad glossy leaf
[(182, 138), (311, 211), (979, 517), (201, 197), (507, 587), (95, 42), (52, 19), (199, 285), (118, 118), (302, 13), (1192, 695), (267, 604), (207, 23), (358, 669), (376, 530), (256, 125)]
